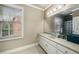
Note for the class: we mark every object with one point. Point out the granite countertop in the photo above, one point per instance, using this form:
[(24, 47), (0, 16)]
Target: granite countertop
[(74, 47)]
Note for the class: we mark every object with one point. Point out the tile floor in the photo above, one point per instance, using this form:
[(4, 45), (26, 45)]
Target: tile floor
[(32, 50)]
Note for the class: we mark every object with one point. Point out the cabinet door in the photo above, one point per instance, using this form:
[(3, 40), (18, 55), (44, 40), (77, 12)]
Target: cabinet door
[(65, 50), (51, 49)]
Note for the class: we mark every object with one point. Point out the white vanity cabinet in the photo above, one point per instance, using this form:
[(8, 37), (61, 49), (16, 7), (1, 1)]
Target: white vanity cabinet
[(45, 44), (52, 47)]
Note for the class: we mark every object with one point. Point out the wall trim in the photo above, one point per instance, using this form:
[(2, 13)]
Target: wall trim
[(19, 48), (30, 5), (48, 7)]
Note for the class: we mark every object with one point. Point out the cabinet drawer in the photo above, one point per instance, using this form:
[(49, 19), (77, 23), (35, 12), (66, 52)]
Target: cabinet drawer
[(65, 50), (47, 40), (50, 42)]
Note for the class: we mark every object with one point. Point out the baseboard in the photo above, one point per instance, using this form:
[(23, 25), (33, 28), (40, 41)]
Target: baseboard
[(19, 48)]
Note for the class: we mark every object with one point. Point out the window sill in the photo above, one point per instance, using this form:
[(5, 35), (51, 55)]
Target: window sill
[(12, 38)]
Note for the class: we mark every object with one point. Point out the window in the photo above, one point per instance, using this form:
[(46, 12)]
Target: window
[(10, 22)]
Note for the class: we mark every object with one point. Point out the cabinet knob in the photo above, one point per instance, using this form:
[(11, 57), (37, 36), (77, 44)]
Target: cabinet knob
[(66, 51)]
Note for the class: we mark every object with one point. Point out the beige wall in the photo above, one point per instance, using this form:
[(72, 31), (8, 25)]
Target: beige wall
[(48, 22), (33, 24), (49, 25)]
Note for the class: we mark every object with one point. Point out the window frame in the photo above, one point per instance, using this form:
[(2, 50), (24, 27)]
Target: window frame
[(11, 37)]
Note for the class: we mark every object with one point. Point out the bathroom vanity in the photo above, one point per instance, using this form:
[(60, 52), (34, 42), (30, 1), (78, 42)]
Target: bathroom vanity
[(53, 45)]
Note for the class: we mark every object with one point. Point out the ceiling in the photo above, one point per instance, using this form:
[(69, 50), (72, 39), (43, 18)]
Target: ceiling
[(43, 6)]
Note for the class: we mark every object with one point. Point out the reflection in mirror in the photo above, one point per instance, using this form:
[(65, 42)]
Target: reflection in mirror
[(76, 22)]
